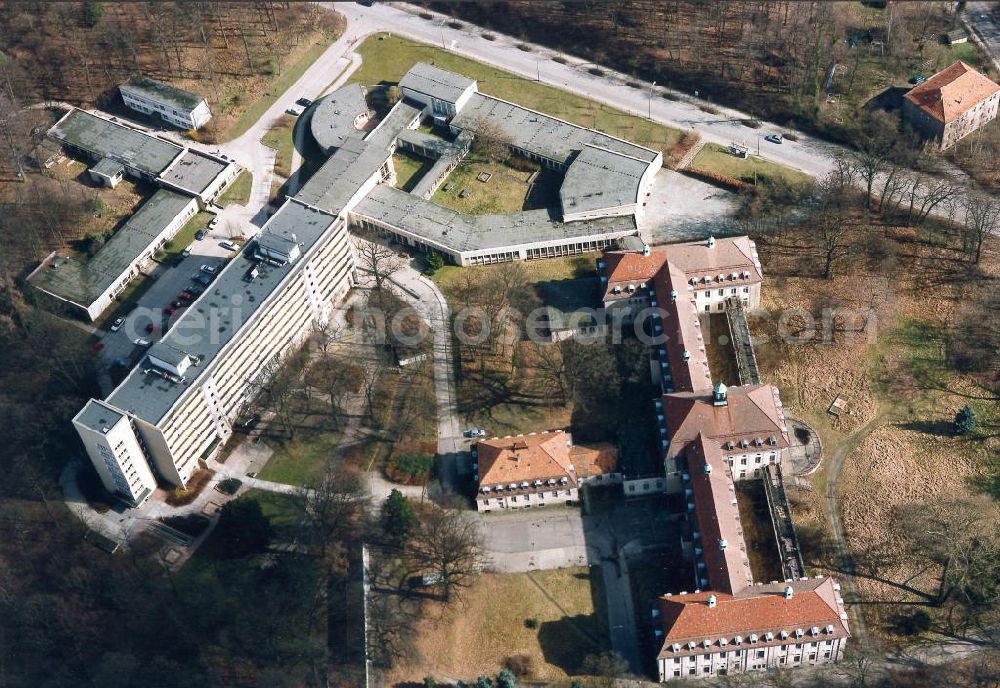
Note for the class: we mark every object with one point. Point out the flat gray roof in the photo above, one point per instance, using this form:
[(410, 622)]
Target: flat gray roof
[(108, 167), (164, 93), (461, 232), (598, 179), (355, 161), (215, 318), (333, 117), (105, 139), (83, 282), (194, 171), (436, 82), (539, 133), (98, 416)]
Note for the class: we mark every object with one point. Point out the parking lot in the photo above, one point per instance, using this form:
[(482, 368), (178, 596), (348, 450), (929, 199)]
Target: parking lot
[(169, 281)]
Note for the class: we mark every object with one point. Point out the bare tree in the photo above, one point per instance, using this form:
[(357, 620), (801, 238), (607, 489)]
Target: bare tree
[(491, 141), (377, 259), (982, 218), (446, 545)]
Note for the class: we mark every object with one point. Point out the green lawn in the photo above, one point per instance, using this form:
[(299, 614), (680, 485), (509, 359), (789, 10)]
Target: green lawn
[(505, 192), (409, 169), (387, 59), (303, 460), (184, 237), (716, 158), (238, 192), (568, 267), (277, 88), (281, 137)]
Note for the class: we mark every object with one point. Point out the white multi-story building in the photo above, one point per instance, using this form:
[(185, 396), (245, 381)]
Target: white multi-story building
[(178, 405), (783, 624), (115, 451), (174, 105), (539, 469)]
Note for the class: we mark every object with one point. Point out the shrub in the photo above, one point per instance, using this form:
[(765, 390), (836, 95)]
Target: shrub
[(230, 486), (791, 136), (709, 109), (95, 206), (516, 162), (484, 682), (670, 96), (524, 46), (560, 59), (906, 235), (410, 469), (426, 15), (506, 679), (435, 261), (914, 624), (531, 623), (752, 123), (489, 37), (455, 24), (596, 71), (965, 421), (633, 84), (726, 182), (429, 682), (521, 666)]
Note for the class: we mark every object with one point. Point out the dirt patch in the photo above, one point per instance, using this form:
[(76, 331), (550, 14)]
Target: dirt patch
[(198, 481)]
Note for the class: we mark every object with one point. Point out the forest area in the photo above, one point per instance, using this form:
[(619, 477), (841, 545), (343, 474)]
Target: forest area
[(770, 59)]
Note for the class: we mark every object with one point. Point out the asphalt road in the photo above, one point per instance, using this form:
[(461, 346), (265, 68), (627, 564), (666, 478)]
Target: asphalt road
[(984, 20)]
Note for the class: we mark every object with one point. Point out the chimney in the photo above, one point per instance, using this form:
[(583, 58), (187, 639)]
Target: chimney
[(686, 355), (645, 249), (711, 242), (711, 601), (788, 592)]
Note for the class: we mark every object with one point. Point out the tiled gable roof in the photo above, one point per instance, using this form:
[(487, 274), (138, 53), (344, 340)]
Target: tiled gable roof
[(506, 461), (759, 610), (952, 91)]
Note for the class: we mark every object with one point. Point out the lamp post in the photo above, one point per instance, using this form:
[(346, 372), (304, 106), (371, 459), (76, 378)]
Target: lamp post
[(538, 69), (650, 113)]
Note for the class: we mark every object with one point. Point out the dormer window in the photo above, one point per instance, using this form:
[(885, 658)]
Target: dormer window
[(753, 638)]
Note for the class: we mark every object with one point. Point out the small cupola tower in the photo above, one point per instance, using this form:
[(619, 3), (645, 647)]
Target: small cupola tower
[(711, 602), (645, 249), (711, 242), (719, 395)]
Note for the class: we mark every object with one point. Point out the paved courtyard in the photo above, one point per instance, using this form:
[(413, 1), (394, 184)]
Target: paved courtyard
[(680, 208), (556, 537)]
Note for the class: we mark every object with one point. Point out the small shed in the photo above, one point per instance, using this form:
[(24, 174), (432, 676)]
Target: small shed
[(957, 36), (107, 172)]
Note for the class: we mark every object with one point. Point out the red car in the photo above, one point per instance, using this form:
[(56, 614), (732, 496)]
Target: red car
[(186, 296), (168, 310), (150, 328), (98, 346), (177, 303)]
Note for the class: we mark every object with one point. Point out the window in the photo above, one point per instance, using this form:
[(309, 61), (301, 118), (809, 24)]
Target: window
[(760, 654), (692, 671), (677, 672), (722, 292), (708, 307)]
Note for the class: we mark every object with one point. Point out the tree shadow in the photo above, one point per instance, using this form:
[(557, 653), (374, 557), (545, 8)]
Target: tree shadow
[(565, 644), (938, 428)]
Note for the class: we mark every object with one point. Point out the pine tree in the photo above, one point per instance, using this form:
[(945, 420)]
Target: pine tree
[(965, 421)]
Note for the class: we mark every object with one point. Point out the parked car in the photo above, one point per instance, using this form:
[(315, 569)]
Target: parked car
[(229, 246), (186, 295), (177, 303), (294, 111), (141, 342), (195, 289), (168, 310), (304, 102), (186, 252), (117, 324), (475, 432), (213, 223), (150, 328), (204, 280), (773, 138), (209, 269), (200, 234)]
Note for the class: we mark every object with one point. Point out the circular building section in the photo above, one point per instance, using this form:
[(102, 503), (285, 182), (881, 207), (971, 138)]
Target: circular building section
[(340, 116)]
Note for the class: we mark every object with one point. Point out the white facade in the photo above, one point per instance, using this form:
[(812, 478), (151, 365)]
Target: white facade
[(194, 118), (201, 418), (810, 649), (116, 453)]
